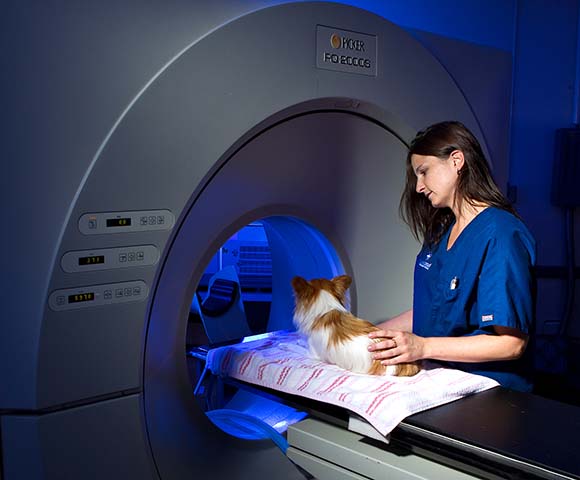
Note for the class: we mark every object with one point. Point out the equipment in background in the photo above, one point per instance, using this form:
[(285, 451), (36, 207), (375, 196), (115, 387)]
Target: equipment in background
[(222, 310), (566, 195), (249, 253)]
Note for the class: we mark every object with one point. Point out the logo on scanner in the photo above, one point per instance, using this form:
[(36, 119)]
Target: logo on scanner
[(336, 41), (346, 51)]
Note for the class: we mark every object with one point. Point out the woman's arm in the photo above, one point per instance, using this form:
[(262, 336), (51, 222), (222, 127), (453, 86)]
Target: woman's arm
[(402, 322), (398, 346)]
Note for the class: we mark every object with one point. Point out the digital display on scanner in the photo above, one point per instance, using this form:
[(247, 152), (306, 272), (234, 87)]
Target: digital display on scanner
[(81, 297), (92, 260), (118, 222)]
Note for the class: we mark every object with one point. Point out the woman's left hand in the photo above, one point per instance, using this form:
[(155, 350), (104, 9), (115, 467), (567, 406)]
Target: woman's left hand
[(396, 347)]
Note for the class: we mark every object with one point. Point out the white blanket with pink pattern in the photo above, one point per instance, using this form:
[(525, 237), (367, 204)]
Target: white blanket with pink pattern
[(282, 362)]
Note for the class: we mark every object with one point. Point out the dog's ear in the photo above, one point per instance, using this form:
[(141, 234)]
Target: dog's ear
[(301, 286), (341, 284)]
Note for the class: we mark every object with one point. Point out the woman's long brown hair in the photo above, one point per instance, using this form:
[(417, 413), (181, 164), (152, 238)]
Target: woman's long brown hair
[(475, 183)]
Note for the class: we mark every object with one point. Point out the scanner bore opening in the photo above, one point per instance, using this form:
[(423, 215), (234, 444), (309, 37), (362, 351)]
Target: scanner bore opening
[(244, 294)]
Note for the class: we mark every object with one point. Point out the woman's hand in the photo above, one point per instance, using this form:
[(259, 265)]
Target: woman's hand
[(396, 347)]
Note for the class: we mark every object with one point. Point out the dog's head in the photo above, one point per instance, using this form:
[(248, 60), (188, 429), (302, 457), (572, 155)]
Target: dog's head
[(306, 292), (318, 296)]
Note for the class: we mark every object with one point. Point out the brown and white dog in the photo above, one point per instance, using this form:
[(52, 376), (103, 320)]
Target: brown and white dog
[(334, 334)]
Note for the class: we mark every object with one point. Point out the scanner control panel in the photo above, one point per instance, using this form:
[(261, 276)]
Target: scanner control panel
[(123, 222), (98, 295), (109, 258)]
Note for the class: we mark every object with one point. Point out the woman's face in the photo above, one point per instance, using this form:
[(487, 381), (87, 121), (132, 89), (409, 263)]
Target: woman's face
[(436, 178)]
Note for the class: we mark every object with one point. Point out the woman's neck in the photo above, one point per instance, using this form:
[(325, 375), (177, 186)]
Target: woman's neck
[(465, 214)]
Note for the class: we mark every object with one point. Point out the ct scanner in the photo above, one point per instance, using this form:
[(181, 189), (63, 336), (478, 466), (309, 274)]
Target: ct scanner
[(296, 115)]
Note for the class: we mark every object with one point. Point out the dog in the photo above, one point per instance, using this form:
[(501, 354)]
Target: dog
[(334, 334)]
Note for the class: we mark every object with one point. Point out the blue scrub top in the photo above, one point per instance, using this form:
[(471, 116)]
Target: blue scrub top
[(484, 279)]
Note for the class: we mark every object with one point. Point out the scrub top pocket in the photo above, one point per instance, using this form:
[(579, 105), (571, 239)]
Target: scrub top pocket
[(450, 294), (445, 310)]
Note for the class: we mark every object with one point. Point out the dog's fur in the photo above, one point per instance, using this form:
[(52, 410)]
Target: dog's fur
[(334, 334)]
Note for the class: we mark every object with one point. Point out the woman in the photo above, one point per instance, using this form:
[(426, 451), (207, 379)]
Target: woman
[(473, 300)]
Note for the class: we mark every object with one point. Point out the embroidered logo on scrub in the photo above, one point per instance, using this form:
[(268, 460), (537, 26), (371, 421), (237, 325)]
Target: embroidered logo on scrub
[(486, 318), (426, 264)]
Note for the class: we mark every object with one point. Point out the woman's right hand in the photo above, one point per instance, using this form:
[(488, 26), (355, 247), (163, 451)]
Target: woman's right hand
[(395, 347)]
